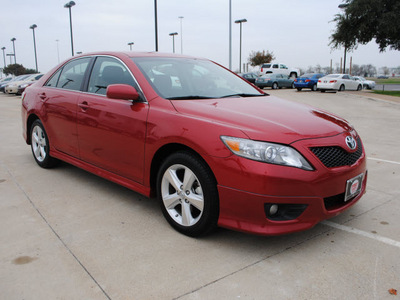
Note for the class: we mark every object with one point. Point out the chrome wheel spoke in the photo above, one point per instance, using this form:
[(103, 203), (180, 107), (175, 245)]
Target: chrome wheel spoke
[(187, 218), (196, 200), (173, 179), (171, 201)]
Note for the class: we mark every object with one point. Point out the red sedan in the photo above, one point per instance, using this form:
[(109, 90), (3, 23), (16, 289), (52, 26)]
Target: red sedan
[(216, 150)]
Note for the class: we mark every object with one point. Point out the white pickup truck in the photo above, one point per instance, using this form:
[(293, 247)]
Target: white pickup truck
[(278, 68)]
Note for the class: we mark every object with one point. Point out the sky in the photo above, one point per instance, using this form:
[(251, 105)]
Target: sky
[(297, 32)]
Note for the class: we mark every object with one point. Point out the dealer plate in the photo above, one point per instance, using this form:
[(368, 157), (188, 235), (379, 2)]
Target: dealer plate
[(353, 187)]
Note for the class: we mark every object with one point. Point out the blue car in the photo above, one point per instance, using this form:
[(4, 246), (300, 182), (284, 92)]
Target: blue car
[(307, 81)]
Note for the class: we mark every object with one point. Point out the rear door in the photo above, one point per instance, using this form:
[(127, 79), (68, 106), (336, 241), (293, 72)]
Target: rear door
[(60, 97)]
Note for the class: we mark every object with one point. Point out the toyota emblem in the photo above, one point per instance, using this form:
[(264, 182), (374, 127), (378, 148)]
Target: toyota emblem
[(351, 142)]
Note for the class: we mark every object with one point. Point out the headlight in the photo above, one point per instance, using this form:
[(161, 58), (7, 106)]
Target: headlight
[(24, 85), (266, 152)]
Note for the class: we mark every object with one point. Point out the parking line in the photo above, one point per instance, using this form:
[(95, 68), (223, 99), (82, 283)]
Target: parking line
[(363, 233), (384, 160)]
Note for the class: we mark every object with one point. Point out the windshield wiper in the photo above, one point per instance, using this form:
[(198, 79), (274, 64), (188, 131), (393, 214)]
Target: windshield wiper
[(244, 95), (189, 97)]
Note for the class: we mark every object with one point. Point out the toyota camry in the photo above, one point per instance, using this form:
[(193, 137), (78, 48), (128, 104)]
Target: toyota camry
[(214, 149)]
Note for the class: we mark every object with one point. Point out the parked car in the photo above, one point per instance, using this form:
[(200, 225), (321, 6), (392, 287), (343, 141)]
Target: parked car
[(383, 77), (4, 84), (307, 81), (12, 87), (5, 79), (250, 77), (367, 84), (339, 82), (24, 84), (278, 68), (215, 149), (274, 81)]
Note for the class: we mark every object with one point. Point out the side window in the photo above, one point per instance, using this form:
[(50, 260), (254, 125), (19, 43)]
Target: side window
[(72, 74), (276, 66), (346, 77), (54, 79), (283, 67), (106, 71)]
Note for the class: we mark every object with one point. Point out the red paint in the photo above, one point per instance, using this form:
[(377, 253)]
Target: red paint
[(118, 139)]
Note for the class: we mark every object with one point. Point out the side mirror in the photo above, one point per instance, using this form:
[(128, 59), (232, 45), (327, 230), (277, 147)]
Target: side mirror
[(122, 92)]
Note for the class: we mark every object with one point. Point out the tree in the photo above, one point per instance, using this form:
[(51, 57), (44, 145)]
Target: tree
[(258, 58), (17, 69), (364, 20)]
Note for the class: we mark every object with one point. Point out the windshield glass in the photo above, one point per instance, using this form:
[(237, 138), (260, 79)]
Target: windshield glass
[(189, 78)]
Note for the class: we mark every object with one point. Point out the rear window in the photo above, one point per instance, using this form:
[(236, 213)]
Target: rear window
[(266, 66)]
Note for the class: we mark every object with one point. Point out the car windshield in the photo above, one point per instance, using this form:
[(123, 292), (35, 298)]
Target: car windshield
[(187, 78)]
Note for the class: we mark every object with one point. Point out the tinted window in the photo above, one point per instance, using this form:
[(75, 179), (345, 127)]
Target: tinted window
[(106, 71), (346, 77), (72, 74), (266, 66), (275, 66), (54, 79)]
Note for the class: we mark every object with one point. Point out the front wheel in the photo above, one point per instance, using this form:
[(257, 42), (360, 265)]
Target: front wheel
[(274, 85), (40, 146), (188, 195), (314, 87), (341, 89), (359, 88)]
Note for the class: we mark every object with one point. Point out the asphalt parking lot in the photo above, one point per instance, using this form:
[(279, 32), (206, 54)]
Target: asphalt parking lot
[(68, 234)]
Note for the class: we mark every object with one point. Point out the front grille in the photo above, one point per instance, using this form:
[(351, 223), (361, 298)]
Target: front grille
[(337, 201), (335, 156)]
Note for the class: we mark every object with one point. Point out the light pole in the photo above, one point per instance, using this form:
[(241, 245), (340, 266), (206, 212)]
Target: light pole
[(240, 51), (69, 5), (173, 34), (130, 45), (58, 51), (343, 6), (155, 23), (15, 56), (181, 35), (34, 44), (230, 34), (4, 56)]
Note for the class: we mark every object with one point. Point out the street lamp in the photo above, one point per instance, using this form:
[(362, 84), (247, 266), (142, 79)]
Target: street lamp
[(15, 56), (69, 5), (4, 56), (155, 24), (343, 6), (173, 34), (34, 44), (240, 51), (181, 35), (130, 45)]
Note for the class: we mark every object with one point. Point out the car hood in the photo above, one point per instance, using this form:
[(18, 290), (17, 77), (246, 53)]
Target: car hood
[(265, 118)]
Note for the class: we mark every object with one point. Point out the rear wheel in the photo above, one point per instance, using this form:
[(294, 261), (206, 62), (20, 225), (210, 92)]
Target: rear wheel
[(274, 85), (292, 86), (188, 195), (314, 87), (40, 146), (359, 88), (299, 89)]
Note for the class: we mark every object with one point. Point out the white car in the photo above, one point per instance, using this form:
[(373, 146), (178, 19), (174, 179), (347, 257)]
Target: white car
[(278, 68), (339, 82), (12, 87), (367, 84)]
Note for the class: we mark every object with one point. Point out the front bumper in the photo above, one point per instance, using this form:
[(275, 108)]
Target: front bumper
[(247, 189)]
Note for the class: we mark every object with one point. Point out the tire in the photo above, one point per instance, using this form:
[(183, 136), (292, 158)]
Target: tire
[(275, 86), (40, 146), (359, 88), (314, 87), (292, 86), (299, 89), (341, 89), (188, 195), (322, 91)]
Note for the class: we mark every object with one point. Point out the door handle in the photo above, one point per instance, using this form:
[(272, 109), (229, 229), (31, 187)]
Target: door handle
[(42, 96), (84, 105)]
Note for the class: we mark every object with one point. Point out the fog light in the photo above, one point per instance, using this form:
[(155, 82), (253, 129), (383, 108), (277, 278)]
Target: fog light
[(273, 209)]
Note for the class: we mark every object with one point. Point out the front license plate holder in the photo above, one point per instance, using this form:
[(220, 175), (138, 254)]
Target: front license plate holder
[(353, 187)]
